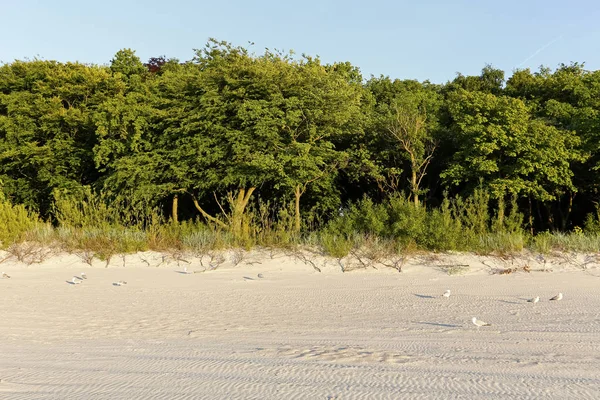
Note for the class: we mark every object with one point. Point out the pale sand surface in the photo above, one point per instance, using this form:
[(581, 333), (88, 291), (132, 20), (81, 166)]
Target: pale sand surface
[(296, 333)]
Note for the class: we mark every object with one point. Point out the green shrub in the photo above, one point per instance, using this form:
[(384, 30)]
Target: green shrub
[(335, 245), (15, 222), (406, 222), (541, 243), (443, 231), (369, 218), (473, 212), (501, 242), (85, 212), (592, 222), (576, 241)]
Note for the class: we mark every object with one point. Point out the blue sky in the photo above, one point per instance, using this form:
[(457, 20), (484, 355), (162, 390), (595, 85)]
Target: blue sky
[(429, 39)]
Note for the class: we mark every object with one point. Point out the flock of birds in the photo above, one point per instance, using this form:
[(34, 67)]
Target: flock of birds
[(78, 279), (479, 323)]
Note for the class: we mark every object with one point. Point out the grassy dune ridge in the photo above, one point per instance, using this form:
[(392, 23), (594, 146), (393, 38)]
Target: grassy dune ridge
[(364, 230)]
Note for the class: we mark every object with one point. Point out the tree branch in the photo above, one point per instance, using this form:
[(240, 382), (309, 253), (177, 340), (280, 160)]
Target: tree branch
[(221, 207), (207, 215)]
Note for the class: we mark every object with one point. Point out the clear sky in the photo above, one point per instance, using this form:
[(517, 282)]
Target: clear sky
[(428, 39)]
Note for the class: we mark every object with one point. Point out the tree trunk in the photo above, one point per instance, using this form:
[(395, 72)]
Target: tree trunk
[(566, 215), (174, 216), (414, 186), (550, 216), (530, 216), (539, 213), (500, 220), (239, 205), (298, 193)]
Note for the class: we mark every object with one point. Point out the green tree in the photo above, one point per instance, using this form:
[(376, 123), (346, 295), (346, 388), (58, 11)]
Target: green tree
[(405, 127), (322, 105), (501, 145), (226, 124), (566, 99), (127, 63), (46, 128), (491, 80)]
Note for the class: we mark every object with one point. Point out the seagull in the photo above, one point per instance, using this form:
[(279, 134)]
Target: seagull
[(534, 300), (479, 323), (75, 281), (557, 297), (119, 283), (83, 275), (447, 294), (5, 275)]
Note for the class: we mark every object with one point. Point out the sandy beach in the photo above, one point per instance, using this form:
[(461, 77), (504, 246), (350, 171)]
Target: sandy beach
[(272, 327)]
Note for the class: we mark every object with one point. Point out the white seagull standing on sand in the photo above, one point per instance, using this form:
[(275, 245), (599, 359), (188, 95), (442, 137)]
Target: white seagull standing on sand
[(534, 300), (479, 323), (557, 297), (75, 281), (5, 275), (447, 294)]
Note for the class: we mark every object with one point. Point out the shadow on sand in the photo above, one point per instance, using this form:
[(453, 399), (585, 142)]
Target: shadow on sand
[(424, 296), (510, 302), (438, 324)]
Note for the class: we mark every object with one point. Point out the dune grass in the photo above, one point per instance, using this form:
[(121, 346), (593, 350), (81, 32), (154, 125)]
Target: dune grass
[(365, 229)]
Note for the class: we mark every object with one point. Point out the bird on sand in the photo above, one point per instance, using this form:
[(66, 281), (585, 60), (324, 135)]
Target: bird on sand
[(479, 323), (75, 280), (534, 300), (447, 294), (5, 275), (557, 297)]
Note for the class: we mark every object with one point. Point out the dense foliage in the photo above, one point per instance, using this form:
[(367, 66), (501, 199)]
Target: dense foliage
[(230, 131)]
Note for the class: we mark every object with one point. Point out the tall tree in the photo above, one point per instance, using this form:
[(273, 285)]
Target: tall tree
[(134, 152), (406, 112), (566, 99), (500, 145), (47, 129)]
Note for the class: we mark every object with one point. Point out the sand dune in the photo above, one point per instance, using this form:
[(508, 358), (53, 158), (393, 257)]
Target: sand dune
[(295, 333)]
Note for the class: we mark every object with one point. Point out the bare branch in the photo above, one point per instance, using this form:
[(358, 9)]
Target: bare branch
[(207, 215), (221, 207)]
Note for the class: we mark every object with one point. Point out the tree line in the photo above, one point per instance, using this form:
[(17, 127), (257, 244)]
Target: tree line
[(207, 137)]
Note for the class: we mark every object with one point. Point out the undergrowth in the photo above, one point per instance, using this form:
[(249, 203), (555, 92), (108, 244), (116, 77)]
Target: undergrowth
[(365, 229)]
